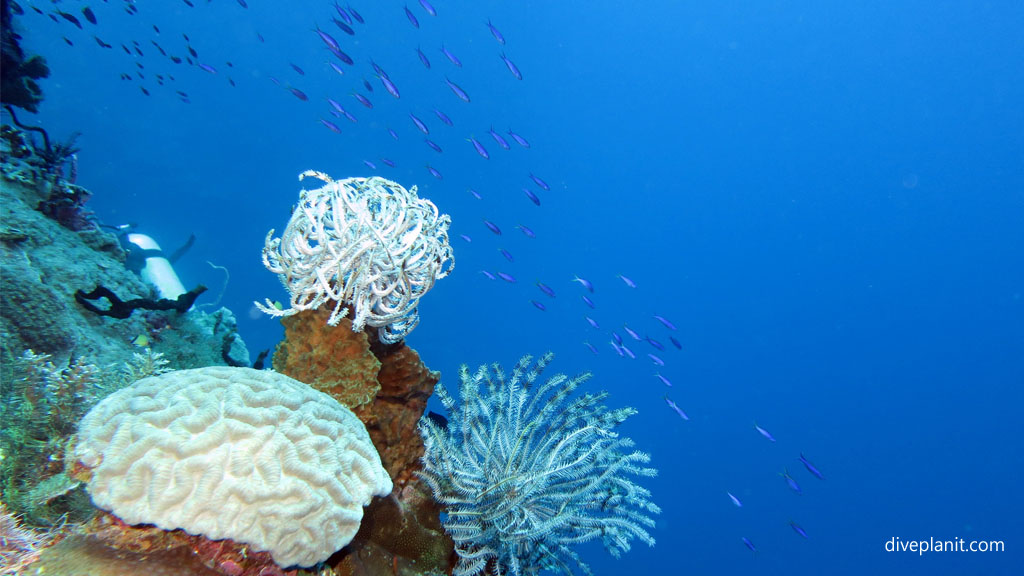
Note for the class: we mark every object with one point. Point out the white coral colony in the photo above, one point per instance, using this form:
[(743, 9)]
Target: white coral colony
[(249, 455), (365, 243)]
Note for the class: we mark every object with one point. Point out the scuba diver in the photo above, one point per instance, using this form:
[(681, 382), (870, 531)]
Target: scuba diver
[(145, 258)]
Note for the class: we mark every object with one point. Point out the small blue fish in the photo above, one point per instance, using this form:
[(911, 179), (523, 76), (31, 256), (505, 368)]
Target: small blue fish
[(476, 194), (507, 277), (433, 145), (377, 69), (664, 380), (479, 148), (628, 352), (764, 432), (451, 57), (525, 230), (506, 254), (337, 68), (588, 301), (423, 58), (533, 197), (791, 482), (419, 124), (498, 138), (299, 94), (749, 544), (617, 338), (330, 125), (676, 408), (489, 275), (735, 500), (433, 172), (665, 322), (618, 349), (426, 6), (519, 139), (327, 39), (798, 529), (466, 238), (511, 67), (492, 227), (393, 133), (591, 347), (631, 333), (207, 67), (593, 323), (356, 15), (811, 468), (543, 185), (655, 343), (412, 18), (334, 104), (367, 85), (343, 27), (628, 282), (390, 86), (443, 117), (675, 342), (362, 99), (342, 56), (586, 283), (370, 165), (456, 90), (388, 162), (538, 305), (655, 359), (545, 289), (494, 32), (341, 12)]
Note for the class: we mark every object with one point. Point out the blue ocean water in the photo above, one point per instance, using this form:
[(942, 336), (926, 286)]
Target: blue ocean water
[(825, 198)]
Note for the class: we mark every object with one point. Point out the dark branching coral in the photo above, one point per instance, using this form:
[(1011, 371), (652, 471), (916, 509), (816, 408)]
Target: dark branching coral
[(525, 472), (18, 73), (123, 308)]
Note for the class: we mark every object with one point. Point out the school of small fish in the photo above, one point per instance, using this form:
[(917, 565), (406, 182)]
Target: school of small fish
[(338, 30)]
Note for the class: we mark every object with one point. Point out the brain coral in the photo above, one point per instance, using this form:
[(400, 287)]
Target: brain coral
[(249, 455)]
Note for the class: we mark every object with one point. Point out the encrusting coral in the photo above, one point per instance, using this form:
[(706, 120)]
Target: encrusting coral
[(367, 244)]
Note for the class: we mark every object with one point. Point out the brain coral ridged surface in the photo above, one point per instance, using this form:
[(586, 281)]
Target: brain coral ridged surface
[(250, 455)]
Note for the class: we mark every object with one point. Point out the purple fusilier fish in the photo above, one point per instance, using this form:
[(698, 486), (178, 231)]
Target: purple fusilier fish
[(492, 227), (735, 500), (370, 165), (377, 69), (506, 254), (675, 342), (677, 409), (443, 117), (494, 32), (618, 349), (628, 282), (631, 333), (533, 197), (456, 90), (511, 67), (356, 15), (665, 322), (593, 323), (476, 194), (419, 124), (519, 139), (423, 58), (655, 359), (389, 86), (478, 147), (451, 57), (489, 275), (327, 39), (663, 380), (628, 352), (388, 162), (362, 99), (341, 12), (811, 468), (588, 301), (617, 338), (426, 6), (654, 343), (790, 481), (466, 238), (337, 68), (433, 172), (525, 230), (538, 305), (798, 529), (543, 185), (498, 138), (341, 56), (433, 145), (507, 277), (545, 289), (749, 544), (411, 17), (343, 27), (330, 125), (764, 432), (299, 94), (586, 283), (393, 133), (591, 347)]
